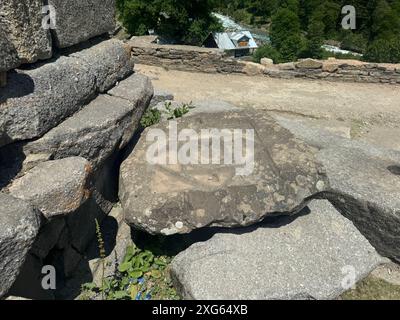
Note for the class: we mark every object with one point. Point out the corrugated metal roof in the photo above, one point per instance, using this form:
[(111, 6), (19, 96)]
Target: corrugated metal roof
[(228, 40)]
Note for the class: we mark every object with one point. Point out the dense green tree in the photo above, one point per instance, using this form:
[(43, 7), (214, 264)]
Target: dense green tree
[(180, 21), (385, 21), (353, 41), (286, 34), (383, 50), (315, 39), (267, 51), (297, 27)]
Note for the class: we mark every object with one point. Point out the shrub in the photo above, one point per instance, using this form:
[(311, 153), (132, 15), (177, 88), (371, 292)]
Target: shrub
[(150, 118), (354, 42), (180, 21), (293, 47), (383, 50), (267, 51), (315, 39), (286, 35)]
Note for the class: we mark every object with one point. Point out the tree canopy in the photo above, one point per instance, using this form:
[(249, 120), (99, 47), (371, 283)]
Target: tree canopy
[(307, 23), (180, 21), (298, 28)]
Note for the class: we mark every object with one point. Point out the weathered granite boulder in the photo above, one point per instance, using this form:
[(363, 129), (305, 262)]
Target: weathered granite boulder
[(110, 61), (271, 173), (80, 20), (252, 69), (35, 101), (57, 187), (266, 62), (22, 22), (8, 54), (19, 225), (106, 124), (364, 184), (62, 241), (317, 255), (330, 67), (287, 66), (137, 89), (309, 64), (366, 189)]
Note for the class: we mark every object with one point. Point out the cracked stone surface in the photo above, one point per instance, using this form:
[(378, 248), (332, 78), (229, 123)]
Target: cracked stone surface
[(178, 198)]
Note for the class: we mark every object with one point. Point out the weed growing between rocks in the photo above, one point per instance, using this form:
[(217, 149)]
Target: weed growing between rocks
[(154, 116), (142, 275), (150, 118)]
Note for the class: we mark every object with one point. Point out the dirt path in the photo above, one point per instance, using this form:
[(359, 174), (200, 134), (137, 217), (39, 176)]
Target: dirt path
[(370, 112)]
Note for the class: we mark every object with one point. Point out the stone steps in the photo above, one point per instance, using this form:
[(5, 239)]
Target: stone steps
[(102, 127), (35, 101), (64, 124), (72, 180)]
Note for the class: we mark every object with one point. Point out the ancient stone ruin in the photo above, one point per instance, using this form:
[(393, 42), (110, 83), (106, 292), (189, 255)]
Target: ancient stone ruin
[(302, 205), (64, 120)]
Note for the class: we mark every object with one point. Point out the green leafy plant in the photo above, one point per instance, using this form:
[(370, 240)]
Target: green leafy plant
[(174, 113), (150, 118), (267, 51), (154, 116), (142, 275)]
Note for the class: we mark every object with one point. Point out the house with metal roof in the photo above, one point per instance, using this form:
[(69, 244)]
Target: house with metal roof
[(240, 43)]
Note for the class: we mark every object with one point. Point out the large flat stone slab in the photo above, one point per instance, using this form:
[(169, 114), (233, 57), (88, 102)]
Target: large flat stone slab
[(35, 101), (80, 20), (365, 184), (105, 125), (179, 197), (312, 256), (19, 225), (22, 22), (57, 187), (109, 60)]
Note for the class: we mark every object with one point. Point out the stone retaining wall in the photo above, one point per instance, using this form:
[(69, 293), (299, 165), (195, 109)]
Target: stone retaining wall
[(185, 58), (189, 58)]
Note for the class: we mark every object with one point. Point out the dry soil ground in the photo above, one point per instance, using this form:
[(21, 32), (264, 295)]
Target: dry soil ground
[(364, 111)]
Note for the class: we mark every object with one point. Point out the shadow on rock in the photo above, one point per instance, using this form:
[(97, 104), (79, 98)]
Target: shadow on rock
[(12, 158), (18, 85), (173, 245)]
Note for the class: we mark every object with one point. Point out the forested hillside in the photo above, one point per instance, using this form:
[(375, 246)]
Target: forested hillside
[(297, 28), (180, 21)]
